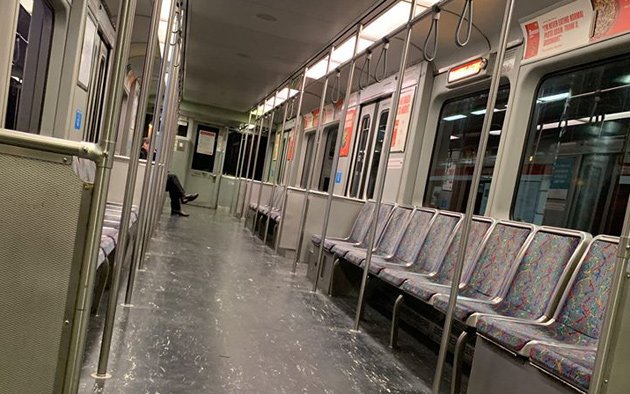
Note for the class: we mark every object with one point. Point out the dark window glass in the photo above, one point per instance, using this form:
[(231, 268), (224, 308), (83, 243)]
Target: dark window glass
[(329, 154), (308, 157), (376, 157), (231, 153), (182, 131), (575, 171), (360, 157), (205, 152), (29, 67), (455, 151)]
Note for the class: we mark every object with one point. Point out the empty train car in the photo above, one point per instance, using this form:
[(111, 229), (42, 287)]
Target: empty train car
[(366, 196)]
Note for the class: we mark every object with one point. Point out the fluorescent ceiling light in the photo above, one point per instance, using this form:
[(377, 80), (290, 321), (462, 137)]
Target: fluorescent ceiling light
[(28, 6), (454, 117), (454, 137), (495, 132), (625, 79), (320, 68), (344, 52), (165, 9), (251, 126), (269, 104), (387, 22), (483, 111), (285, 94), (554, 97)]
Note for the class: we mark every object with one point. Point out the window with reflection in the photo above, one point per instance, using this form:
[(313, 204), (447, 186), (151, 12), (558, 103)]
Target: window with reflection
[(308, 158), (29, 66), (376, 156), (455, 151), (575, 171)]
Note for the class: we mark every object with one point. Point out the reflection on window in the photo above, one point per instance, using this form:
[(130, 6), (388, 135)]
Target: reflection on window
[(576, 167), (29, 66), (360, 157), (329, 154), (455, 151), (376, 157), (308, 158)]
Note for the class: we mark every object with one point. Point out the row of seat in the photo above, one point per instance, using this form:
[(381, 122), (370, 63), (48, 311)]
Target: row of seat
[(538, 292), (268, 214)]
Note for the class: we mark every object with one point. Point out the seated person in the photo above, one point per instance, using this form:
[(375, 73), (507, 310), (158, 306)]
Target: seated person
[(178, 195), (174, 188)]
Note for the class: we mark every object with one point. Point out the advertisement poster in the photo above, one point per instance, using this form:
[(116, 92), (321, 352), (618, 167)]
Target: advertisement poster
[(612, 17), (276, 146), (329, 113), (348, 127), (205, 144), (291, 148), (403, 117), (558, 30), (316, 117), (308, 121), (85, 68)]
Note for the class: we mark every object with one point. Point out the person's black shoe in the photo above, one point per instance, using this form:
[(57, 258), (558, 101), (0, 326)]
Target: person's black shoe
[(189, 197), (179, 213)]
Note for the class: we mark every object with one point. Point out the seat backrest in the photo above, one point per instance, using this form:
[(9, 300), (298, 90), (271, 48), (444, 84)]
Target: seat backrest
[(497, 257), (277, 197), (540, 271), (479, 231), (384, 213), (436, 242), (362, 222), (584, 303), (394, 231), (414, 235)]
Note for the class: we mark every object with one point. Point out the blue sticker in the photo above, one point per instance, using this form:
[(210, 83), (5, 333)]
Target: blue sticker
[(78, 119), (338, 178)]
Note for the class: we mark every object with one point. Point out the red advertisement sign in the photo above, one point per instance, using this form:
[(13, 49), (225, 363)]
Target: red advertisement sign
[(348, 127), (291, 147), (532, 32), (612, 18), (401, 125)]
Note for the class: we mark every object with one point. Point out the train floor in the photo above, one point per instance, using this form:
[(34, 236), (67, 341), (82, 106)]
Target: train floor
[(217, 312)]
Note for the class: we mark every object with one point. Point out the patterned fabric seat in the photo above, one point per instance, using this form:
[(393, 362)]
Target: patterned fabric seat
[(341, 249), (441, 234), (577, 322), (102, 258), (494, 263), (423, 287), (530, 291), (410, 243), (572, 365), (390, 238), (108, 244), (357, 233)]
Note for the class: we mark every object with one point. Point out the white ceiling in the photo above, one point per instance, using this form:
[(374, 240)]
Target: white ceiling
[(239, 50)]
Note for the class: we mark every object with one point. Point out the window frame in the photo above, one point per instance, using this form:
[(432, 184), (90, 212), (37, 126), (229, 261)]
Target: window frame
[(533, 110)]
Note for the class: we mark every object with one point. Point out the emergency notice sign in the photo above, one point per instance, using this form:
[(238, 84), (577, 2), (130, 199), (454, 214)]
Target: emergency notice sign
[(559, 30)]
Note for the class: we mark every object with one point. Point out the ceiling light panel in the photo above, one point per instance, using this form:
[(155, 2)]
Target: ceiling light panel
[(387, 22), (320, 68)]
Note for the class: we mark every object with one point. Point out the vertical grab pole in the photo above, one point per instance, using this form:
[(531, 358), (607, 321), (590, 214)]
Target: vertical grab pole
[(160, 129), (132, 173), (138, 253), (335, 163), (255, 162), (472, 197), (238, 169), (387, 142), (262, 176), (297, 130), (249, 168), (278, 164), (101, 186), (240, 174), (318, 136)]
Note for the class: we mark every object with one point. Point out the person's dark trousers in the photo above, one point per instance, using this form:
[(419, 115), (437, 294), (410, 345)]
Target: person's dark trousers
[(175, 191)]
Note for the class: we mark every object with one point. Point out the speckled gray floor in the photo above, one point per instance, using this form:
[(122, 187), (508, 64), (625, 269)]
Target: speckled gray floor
[(217, 312)]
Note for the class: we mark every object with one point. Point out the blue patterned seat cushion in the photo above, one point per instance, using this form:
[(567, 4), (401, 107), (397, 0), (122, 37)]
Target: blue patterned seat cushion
[(357, 233), (424, 288), (354, 255), (393, 276), (580, 317), (101, 259), (433, 248), (110, 232), (574, 366), (277, 216), (536, 278)]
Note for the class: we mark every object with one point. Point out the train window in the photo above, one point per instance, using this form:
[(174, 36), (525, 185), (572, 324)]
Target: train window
[(29, 67), (232, 148), (376, 157), (308, 157), (575, 170), (455, 151), (329, 154), (361, 149), (205, 148)]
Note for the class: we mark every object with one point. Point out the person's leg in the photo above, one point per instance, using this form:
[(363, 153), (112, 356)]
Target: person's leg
[(172, 183), (176, 205)]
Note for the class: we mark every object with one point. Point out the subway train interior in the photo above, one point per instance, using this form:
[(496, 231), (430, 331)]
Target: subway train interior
[(359, 196)]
